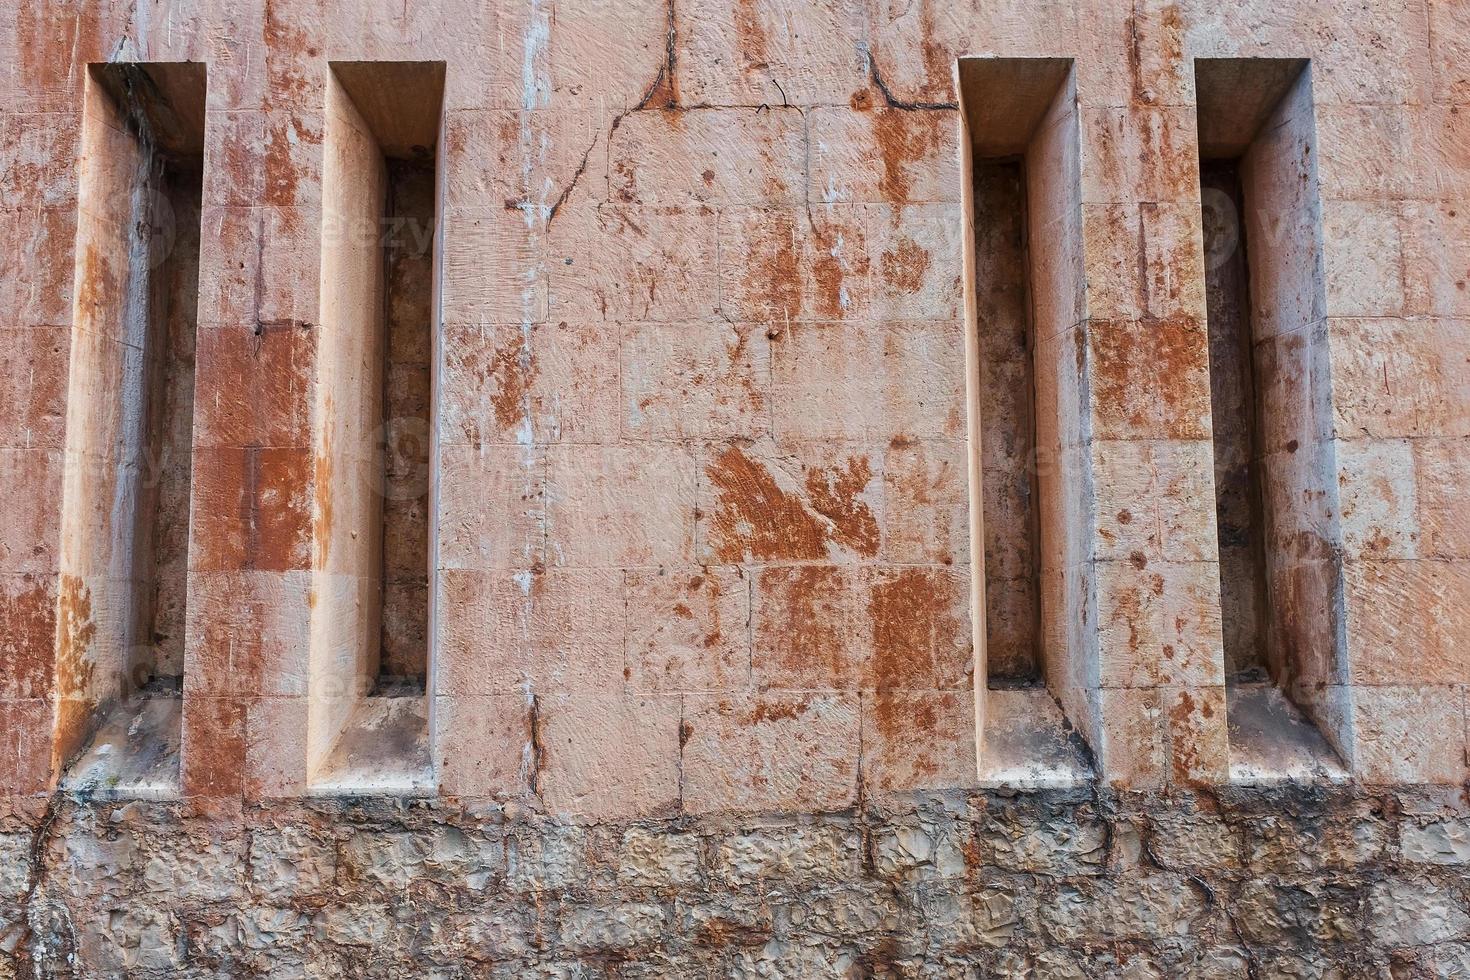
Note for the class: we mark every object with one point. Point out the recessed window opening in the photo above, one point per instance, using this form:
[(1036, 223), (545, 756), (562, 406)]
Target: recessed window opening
[(372, 619), (1022, 199), (1275, 485), (125, 513)]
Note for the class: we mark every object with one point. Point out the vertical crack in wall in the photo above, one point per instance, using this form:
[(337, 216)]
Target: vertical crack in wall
[(42, 935)]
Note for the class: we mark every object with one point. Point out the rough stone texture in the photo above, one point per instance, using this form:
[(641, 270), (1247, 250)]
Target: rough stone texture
[(709, 423), (1240, 883)]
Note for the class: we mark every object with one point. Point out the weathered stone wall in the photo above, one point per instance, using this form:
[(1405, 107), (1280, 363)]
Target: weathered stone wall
[(1284, 883), (727, 346)]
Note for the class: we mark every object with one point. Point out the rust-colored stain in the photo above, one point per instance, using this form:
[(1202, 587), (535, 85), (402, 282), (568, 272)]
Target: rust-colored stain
[(776, 711), (282, 534), (937, 60), (75, 633), (751, 32), (912, 622), (288, 50), (514, 371), (806, 638), (834, 495), (904, 139), (281, 176), (776, 267), (98, 284), (1173, 22), (913, 723), (829, 269), (905, 266), (27, 633), (1150, 367), (216, 737), (1184, 759), (75, 666), (321, 527), (58, 37), (755, 519), (1181, 356)]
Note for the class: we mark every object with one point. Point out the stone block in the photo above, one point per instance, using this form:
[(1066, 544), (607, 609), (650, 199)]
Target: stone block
[(484, 745), (243, 633), (1442, 468), (33, 400), (1404, 912), (926, 517), (253, 509), (529, 632), (627, 262), (1150, 379), (918, 740), (757, 752), (620, 506), (28, 613), (694, 381), (524, 383), (1389, 728), (30, 537), (816, 502), (492, 507), (1159, 624), (884, 155), (872, 384), (604, 756), (785, 53), (709, 156), (1363, 259), (688, 630), (1139, 153), (1154, 500), (1405, 620)]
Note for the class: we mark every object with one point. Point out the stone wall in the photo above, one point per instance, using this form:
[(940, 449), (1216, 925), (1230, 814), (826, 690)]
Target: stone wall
[(813, 561), (1296, 882)]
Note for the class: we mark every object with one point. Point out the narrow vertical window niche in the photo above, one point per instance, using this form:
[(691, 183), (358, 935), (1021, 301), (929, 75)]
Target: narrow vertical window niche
[(368, 713), (1276, 495), (125, 506), (1022, 203)]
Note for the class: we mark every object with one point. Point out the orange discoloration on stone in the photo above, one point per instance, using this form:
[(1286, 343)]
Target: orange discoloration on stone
[(904, 139), (905, 266), (215, 747), (807, 636), (914, 625), (75, 632), (779, 268), (97, 286), (829, 268), (1151, 377), (1184, 758), (75, 666), (281, 174), (28, 612), (514, 370), (751, 31), (755, 519), (835, 493)]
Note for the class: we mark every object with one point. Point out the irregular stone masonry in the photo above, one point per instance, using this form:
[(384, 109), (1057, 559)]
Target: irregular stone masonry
[(750, 323), (1296, 882)]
